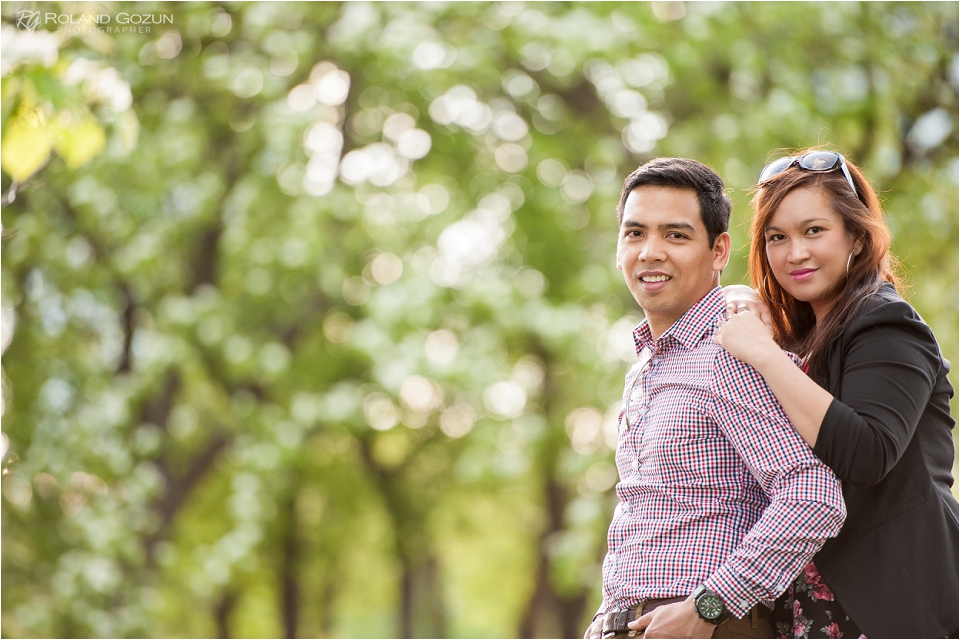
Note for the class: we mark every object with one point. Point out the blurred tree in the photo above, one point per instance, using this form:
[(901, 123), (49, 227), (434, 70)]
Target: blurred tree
[(310, 317)]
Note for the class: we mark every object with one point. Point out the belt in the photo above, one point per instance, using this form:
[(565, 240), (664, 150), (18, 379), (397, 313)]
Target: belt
[(616, 621)]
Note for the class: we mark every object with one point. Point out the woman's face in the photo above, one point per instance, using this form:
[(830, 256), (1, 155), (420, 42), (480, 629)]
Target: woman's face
[(808, 247)]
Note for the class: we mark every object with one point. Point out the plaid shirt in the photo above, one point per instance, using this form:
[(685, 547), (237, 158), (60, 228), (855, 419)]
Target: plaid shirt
[(716, 487)]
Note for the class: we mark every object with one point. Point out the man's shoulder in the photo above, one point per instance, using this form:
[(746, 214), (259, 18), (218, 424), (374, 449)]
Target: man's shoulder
[(734, 379), (700, 356), (709, 351)]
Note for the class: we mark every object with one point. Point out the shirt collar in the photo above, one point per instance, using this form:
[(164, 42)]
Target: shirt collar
[(689, 328)]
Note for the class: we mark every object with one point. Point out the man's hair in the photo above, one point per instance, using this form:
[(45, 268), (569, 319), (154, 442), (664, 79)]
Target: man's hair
[(684, 173)]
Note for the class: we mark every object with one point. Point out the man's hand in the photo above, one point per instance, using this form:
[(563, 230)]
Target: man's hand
[(595, 630), (678, 620)]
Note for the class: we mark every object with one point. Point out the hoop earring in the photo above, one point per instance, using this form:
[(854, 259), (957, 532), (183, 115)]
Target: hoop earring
[(766, 291), (849, 258)]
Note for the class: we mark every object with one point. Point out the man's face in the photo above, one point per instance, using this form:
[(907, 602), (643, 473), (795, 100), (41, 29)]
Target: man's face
[(664, 255)]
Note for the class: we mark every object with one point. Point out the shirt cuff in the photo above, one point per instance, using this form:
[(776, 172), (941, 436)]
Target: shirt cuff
[(732, 590)]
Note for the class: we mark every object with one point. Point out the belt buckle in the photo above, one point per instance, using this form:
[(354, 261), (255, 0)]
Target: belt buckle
[(616, 622)]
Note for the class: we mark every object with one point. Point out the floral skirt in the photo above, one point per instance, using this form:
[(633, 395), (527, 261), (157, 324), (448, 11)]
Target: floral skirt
[(809, 610)]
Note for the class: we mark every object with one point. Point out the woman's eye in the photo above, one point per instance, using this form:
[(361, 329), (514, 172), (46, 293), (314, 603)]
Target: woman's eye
[(776, 237), (814, 229)]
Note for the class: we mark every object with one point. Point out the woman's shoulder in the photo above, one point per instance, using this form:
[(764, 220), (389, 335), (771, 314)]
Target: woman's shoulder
[(886, 310), (885, 305)]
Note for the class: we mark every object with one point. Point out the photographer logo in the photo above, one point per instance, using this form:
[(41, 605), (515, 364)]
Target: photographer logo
[(28, 21)]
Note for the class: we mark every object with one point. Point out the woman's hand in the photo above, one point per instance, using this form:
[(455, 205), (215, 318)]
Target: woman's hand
[(747, 338), (738, 297)]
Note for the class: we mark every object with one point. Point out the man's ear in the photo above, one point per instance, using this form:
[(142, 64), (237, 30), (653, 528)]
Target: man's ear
[(721, 251)]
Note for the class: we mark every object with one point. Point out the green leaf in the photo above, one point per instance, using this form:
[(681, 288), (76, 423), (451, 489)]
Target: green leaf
[(26, 147), (78, 143)]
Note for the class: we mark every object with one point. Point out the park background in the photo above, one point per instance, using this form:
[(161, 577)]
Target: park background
[(311, 323)]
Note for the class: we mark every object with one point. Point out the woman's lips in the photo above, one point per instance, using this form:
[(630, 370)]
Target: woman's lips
[(802, 274)]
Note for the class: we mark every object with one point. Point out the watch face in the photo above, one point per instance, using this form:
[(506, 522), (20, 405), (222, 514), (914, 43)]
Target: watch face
[(710, 606)]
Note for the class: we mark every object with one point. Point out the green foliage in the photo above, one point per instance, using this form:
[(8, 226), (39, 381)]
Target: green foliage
[(51, 106), (310, 313)]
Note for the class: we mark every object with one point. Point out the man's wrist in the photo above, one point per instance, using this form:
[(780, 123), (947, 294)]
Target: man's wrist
[(710, 606)]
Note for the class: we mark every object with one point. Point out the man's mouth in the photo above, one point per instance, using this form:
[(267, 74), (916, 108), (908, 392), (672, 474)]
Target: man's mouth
[(659, 278)]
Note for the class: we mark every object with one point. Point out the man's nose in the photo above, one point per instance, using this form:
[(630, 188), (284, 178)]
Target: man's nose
[(652, 251)]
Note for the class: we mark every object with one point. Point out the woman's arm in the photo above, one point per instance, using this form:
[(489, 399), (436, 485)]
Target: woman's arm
[(803, 400), (890, 365)]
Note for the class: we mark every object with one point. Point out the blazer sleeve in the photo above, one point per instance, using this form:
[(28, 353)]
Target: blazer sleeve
[(890, 365)]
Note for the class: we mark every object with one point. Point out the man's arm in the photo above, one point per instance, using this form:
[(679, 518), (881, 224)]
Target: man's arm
[(806, 505)]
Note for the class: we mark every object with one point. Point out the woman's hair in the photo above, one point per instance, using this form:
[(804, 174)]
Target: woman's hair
[(795, 326)]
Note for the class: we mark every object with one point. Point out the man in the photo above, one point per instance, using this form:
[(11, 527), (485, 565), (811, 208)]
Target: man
[(721, 502)]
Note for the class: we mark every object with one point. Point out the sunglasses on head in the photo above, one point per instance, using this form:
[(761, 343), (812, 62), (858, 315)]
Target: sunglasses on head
[(819, 161)]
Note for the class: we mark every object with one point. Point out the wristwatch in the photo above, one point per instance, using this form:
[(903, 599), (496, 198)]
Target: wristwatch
[(709, 605)]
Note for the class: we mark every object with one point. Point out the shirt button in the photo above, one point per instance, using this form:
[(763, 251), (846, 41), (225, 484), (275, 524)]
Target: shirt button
[(744, 604)]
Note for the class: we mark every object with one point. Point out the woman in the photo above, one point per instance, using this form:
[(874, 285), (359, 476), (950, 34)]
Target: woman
[(875, 407)]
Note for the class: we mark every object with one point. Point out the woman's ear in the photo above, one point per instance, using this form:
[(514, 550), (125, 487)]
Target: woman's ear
[(857, 246)]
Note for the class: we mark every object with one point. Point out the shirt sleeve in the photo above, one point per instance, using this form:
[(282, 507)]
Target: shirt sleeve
[(806, 505), (891, 361)]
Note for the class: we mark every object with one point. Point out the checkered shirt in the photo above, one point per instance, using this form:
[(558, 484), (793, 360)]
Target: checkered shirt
[(716, 487)]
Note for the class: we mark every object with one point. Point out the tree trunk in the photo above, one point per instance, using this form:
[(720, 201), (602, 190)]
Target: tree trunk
[(290, 582), (221, 613), (548, 614), (422, 613), (421, 610)]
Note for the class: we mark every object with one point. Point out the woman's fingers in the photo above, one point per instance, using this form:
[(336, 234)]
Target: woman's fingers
[(739, 298), (734, 307)]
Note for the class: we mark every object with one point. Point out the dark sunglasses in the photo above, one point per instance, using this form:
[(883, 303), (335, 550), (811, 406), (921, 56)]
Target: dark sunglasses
[(819, 161)]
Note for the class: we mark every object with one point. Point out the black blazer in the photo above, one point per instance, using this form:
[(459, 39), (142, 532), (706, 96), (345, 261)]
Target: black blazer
[(887, 436)]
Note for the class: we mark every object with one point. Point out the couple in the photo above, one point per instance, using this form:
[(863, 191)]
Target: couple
[(731, 452)]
